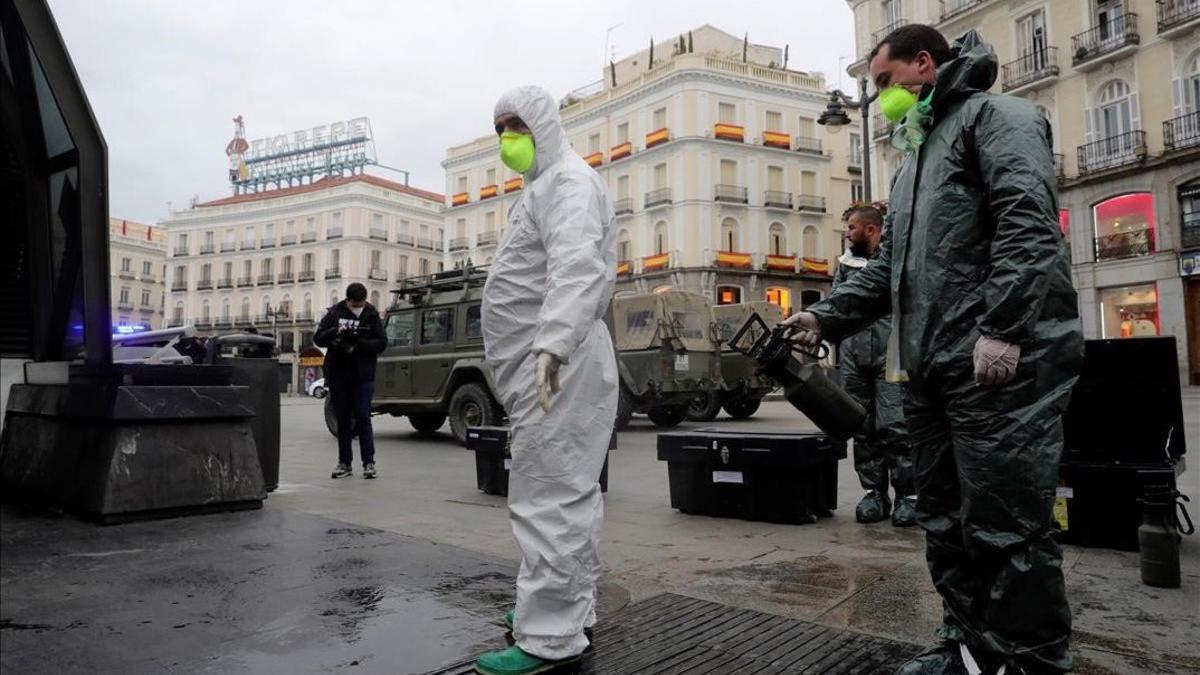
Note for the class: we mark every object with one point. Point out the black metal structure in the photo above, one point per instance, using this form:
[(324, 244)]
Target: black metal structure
[(54, 296)]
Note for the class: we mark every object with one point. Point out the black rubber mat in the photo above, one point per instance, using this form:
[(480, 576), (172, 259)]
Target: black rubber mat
[(676, 634)]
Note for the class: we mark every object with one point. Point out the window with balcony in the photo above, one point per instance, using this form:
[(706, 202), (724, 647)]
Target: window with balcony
[(1124, 226), (622, 133), (1174, 15), (124, 296), (856, 191), (658, 119), (726, 113), (593, 144), (778, 238), (774, 120), (1114, 28), (423, 267), (126, 263), (810, 242), (147, 268), (1036, 59), (729, 235), (181, 245), (402, 266), (855, 159), (1114, 130), (624, 247), (661, 240)]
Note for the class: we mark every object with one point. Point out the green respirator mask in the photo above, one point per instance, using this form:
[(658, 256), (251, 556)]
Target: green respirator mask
[(517, 151), (912, 115)]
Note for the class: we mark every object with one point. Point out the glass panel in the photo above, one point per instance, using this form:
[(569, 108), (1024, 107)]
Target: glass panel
[(58, 139), (437, 326), (399, 329), (474, 323), (639, 320), (1129, 311)]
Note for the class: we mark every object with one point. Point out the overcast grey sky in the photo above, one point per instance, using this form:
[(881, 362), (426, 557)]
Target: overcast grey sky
[(166, 78)]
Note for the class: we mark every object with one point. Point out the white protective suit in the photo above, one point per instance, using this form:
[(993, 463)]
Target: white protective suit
[(547, 291)]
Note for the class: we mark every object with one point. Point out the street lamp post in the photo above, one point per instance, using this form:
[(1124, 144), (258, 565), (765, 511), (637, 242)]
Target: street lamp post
[(835, 117)]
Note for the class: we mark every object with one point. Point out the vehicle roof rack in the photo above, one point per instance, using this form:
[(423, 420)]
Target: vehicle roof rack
[(418, 289)]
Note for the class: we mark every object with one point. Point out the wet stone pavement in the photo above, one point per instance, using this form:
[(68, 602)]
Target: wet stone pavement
[(408, 573)]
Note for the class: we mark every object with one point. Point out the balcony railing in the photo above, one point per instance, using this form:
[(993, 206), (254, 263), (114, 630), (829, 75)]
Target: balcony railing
[(149, 278), (1117, 32), (243, 282), (1060, 170), (379, 233), (1190, 229), (854, 162), (243, 320), (125, 305), (810, 203), (1033, 67), (730, 193), (883, 32), (228, 246), (486, 238), (459, 244), (204, 322), (775, 199), (175, 322), (952, 8), (1125, 245), (333, 273), (623, 206), (425, 242), (1175, 13), (809, 145), (286, 278), (177, 286), (306, 237), (1109, 153), (204, 285), (181, 251), (406, 239), (266, 279), (333, 233), (206, 249), (377, 274), (1182, 132), (287, 240), (223, 322), (267, 242), (881, 128), (126, 274), (146, 308), (306, 275), (304, 317), (248, 245), (658, 197), (225, 283)]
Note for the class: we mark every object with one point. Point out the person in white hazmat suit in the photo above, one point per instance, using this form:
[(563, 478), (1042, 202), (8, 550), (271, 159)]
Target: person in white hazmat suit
[(555, 371)]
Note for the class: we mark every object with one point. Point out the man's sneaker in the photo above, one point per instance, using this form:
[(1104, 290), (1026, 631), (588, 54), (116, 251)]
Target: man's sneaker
[(369, 470), (514, 661), (874, 507), (342, 471), (905, 514)]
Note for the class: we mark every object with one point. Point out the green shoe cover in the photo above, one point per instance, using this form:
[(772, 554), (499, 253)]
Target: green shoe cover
[(513, 661)]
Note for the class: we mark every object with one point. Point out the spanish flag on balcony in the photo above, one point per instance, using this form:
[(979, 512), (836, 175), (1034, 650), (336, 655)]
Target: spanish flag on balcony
[(623, 268), (734, 259), (776, 139), (488, 191), (595, 159), (460, 199), (815, 265), (729, 132), (513, 184), (783, 263), (620, 151), (656, 262), (655, 137)]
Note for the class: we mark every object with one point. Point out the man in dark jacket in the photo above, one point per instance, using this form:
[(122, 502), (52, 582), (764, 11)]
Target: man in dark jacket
[(352, 334), (986, 327), (881, 449)]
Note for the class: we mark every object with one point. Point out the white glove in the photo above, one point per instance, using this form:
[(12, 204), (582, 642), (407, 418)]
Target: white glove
[(547, 378), (808, 330), (995, 361)]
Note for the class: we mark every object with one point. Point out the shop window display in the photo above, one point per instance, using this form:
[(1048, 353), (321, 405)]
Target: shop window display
[(1129, 311)]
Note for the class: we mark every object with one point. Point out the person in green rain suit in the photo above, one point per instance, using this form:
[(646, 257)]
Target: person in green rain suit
[(986, 329)]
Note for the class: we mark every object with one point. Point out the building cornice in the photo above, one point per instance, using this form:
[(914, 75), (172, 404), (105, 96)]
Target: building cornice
[(251, 216)]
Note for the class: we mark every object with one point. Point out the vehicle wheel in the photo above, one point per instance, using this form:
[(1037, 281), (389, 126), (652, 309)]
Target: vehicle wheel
[(668, 416), (742, 408), (427, 423), (331, 418), (705, 406), (320, 392), (472, 406), (624, 408)]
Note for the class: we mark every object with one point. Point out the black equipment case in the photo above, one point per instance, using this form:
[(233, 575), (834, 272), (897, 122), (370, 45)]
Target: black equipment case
[(1123, 431), (778, 477), (491, 446)]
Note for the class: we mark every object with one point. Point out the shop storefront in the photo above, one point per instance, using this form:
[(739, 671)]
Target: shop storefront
[(1129, 311)]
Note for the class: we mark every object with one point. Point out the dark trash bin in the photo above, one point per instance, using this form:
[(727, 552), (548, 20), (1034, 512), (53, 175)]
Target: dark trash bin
[(767, 476), (493, 459), (255, 367)]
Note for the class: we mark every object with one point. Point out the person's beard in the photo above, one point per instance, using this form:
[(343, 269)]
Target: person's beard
[(860, 249)]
